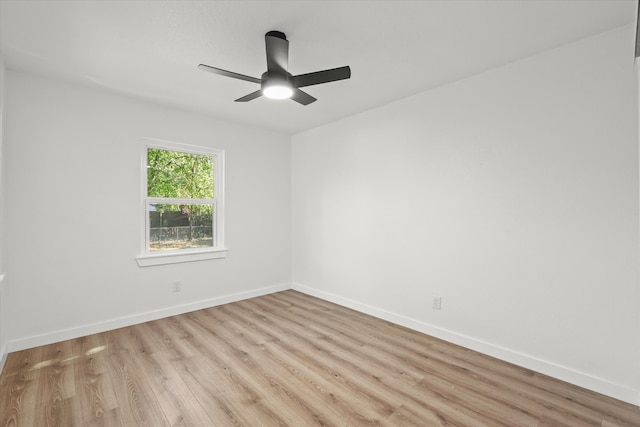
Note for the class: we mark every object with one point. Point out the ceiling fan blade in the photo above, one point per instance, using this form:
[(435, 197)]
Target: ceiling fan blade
[(251, 96), (319, 77), (277, 51), (302, 97), (226, 73)]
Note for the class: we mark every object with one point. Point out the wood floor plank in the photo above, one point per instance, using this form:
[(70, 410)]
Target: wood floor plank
[(55, 404), (334, 368), (370, 386), (285, 359), (337, 365), (93, 386), (292, 394), (18, 388), (242, 362), (375, 363), (511, 381), (319, 385), (136, 403), (176, 400)]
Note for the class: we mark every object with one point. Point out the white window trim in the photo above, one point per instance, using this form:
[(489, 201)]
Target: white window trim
[(146, 258)]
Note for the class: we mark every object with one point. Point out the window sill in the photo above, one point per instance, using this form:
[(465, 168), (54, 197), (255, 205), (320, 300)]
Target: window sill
[(150, 260)]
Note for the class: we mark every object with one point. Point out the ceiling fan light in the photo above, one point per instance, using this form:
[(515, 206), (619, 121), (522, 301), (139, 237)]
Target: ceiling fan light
[(278, 91)]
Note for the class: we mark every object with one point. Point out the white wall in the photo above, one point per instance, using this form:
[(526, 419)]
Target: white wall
[(3, 348), (72, 224), (512, 194)]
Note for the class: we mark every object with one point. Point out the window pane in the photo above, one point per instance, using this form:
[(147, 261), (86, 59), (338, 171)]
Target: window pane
[(173, 226), (179, 175)]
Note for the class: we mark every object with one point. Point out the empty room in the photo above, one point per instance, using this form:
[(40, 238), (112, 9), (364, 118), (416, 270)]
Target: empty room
[(319, 213)]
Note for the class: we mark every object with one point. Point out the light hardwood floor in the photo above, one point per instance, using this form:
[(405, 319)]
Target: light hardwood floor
[(285, 359)]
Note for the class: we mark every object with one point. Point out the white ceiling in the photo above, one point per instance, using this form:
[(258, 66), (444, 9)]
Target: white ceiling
[(151, 49)]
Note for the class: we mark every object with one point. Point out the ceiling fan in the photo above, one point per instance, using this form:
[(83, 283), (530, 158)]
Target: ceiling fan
[(277, 82)]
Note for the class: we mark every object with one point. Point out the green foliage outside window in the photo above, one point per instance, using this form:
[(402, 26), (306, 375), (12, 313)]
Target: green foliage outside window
[(178, 175)]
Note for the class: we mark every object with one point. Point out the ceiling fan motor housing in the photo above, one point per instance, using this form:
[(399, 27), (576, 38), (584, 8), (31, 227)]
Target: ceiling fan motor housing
[(275, 78), (276, 85)]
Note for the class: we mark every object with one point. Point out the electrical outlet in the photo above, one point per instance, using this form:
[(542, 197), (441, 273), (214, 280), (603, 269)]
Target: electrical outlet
[(176, 286), (436, 302)]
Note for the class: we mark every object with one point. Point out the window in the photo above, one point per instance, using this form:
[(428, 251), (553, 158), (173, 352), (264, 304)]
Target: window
[(183, 213)]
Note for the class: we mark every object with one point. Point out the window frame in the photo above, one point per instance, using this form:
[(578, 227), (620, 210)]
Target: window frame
[(218, 250)]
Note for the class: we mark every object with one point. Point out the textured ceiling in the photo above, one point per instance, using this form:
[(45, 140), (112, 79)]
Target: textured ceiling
[(151, 49)]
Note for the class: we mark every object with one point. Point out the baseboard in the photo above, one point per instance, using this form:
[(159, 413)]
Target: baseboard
[(121, 322), (3, 358), (551, 369)]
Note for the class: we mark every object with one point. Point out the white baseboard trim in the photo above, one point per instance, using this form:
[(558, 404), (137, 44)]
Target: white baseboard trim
[(554, 370), (121, 322), (3, 357)]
